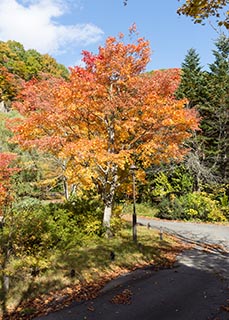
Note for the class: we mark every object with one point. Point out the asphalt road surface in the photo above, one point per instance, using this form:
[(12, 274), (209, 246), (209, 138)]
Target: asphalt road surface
[(199, 232), (197, 288)]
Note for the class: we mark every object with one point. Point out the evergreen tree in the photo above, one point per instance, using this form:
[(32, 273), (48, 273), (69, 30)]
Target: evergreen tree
[(215, 125), (193, 86), (192, 79), (208, 92)]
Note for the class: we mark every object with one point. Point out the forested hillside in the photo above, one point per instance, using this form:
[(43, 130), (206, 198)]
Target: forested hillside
[(18, 65)]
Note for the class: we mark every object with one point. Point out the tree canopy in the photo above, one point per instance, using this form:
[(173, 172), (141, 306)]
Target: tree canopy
[(18, 65), (201, 10), (208, 92), (106, 117)]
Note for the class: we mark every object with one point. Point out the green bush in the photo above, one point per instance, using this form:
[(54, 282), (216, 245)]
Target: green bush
[(31, 232), (27, 204), (200, 206), (87, 213), (116, 220), (170, 208), (192, 206), (39, 226), (220, 192)]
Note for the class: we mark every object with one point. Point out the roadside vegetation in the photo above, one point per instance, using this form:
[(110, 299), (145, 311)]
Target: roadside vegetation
[(60, 253)]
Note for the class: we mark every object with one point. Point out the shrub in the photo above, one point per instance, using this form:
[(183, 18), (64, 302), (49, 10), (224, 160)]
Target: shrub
[(192, 206), (116, 220), (39, 226), (171, 209), (200, 205), (31, 231)]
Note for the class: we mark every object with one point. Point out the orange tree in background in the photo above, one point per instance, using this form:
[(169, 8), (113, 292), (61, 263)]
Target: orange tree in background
[(107, 116), (6, 172)]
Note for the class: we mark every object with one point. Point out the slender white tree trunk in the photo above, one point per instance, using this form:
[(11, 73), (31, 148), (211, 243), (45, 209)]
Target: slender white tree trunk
[(108, 194), (107, 216), (66, 192)]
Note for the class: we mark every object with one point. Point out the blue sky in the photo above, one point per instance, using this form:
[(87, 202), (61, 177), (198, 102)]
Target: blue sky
[(63, 28)]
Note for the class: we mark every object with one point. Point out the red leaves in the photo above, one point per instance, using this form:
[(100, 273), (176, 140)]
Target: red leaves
[(164, 82), (107, 114), (6, 172)]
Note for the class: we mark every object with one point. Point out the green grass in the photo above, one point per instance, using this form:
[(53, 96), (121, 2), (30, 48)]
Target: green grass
[(91, 263), (142, 209)]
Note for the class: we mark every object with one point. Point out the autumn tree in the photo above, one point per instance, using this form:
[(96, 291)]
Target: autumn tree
[(28, 64), (105, 118), (18, 65), (166, 81), (41, 128), (201, 10), (9, 85)]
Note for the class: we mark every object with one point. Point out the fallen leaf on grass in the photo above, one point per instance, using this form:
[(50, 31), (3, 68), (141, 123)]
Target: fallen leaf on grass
[(84, 291)]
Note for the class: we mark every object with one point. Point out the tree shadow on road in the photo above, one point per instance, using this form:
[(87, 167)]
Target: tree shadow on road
[(190, 291), (216, 263)]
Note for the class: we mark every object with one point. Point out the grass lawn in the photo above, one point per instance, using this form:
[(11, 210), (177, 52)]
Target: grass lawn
[(142, 209), (78, 273)]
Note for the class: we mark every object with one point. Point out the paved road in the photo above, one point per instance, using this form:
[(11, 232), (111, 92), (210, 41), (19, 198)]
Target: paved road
[(194, 290), (184, 293), (199, 232)]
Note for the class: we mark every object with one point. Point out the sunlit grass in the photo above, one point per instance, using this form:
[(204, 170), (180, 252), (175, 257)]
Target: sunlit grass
[(142, 209), (93, 262)]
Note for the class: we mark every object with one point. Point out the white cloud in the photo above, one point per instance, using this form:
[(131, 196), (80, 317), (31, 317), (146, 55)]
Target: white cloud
[(35, 24)]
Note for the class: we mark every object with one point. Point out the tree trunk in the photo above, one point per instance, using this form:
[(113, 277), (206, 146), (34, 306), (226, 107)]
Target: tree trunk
[(66, 192), (4, 281), (108, 193), (107, 215)]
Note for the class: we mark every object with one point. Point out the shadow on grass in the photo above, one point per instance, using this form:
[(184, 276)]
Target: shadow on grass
[(80, 272), (121, 252)]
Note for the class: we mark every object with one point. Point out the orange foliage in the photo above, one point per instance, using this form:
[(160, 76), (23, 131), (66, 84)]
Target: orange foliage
[(6, 172), (165, 82), (107, 116)]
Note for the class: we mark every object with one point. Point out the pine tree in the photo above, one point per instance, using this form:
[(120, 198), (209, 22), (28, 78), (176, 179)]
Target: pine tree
[(216, 125), (193, 86), (192, 79), (208, 92)]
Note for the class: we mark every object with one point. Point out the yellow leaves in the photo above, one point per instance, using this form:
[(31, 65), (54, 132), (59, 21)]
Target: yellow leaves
[(107, 114), (200, 10), (167, 122)]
